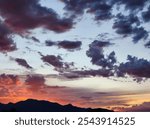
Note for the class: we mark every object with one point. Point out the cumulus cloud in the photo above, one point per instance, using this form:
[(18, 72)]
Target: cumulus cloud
[(146, 15), (23, 15), (6, 43), (135, 67), (100, 9), (129, 26), (105, 62), (132, 4), (139, 33), (96, 53), (123, 24)]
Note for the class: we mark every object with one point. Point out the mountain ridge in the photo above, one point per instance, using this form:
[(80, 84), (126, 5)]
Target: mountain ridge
[(32, 105)]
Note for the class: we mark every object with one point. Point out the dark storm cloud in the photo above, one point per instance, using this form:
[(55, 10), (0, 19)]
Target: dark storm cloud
[(23, 15), (23, 63), (100, 8), (96, 53), (146, 15), (135, 67), (6, 43)]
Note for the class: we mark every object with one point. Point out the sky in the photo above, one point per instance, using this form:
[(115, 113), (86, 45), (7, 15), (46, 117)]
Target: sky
[(88, 53)]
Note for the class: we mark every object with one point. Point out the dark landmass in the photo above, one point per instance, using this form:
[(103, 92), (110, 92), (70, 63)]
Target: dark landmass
[(31, 105)]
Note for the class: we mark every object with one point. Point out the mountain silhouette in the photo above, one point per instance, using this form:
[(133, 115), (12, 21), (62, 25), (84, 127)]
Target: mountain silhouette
[(32, 105)]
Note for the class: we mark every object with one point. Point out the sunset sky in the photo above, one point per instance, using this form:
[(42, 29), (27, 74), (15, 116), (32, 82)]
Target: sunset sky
[(90, 53)]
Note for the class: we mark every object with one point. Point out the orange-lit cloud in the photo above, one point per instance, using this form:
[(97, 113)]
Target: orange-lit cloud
[(14, 89)]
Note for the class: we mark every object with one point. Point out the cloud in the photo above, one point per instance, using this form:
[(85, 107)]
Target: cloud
[(146, 15), (68, 45), (8, 79), (147, 45), (135, 67), (9, 85), (132, 5), (17, 88), (35, 87), (23, 63), (123, 24), (128, 26), (57, 62), (144, 107), (100, 9), (6, 43), (50, 43), (24, 15), (3, 91), (139, 33), (53, 60), (96, 53), (35, 39), (35, 82), (88, 73)]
